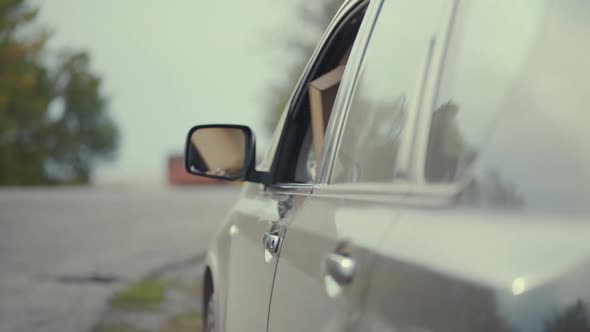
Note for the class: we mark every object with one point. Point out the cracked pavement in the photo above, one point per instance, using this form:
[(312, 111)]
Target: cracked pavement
[(63, 252)]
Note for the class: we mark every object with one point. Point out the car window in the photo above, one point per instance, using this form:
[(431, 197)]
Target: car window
[(302, 138), (512, 106), (386, 89)]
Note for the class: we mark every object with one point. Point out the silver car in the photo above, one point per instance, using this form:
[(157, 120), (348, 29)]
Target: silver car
[(431, 172)]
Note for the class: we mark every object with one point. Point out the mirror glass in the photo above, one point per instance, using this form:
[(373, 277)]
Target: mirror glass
[(217, 151)]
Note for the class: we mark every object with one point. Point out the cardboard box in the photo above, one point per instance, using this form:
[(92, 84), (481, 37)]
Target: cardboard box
[(221, 148), (322, 93)]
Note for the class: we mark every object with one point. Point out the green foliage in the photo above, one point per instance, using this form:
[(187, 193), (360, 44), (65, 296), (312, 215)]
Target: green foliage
[(316, 16), (54, 124), (144, 293)]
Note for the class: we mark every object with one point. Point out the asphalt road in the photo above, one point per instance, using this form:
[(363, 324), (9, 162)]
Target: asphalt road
[(64, 252)]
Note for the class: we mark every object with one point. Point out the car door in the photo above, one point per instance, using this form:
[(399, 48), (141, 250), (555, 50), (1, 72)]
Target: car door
[(327, 256), (256, 230), (259, 215)]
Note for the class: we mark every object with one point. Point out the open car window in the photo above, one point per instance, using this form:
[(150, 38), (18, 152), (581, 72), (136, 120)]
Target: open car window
[(302, 138)]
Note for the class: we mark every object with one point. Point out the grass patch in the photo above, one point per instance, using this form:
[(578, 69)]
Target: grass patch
[(115, 328), (144, 293), (193, 289), (188, 322)]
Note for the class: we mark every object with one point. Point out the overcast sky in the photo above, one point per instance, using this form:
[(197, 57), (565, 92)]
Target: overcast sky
[(167, 65)]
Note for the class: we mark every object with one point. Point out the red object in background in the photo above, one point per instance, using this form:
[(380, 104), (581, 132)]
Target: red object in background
[(177, 175)]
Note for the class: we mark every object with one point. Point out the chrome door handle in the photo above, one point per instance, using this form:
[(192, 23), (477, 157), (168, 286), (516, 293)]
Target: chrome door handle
[(271, 241), (341, 268)]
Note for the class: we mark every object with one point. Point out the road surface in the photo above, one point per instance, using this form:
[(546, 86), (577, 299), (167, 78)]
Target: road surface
[(63, 252)]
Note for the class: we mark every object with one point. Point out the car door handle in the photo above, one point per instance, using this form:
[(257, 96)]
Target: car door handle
[(341, 268), (271, 241)]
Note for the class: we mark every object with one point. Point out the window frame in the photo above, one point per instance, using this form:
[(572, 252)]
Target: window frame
[(277, 149), (344, 97)]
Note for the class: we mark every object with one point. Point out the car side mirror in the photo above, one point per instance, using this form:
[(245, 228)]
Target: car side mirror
[(224, 152)]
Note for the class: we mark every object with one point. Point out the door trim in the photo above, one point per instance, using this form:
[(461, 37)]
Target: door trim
[(291, 188)]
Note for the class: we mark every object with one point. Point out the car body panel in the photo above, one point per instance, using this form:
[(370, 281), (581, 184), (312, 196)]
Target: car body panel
[(243, 272), (305, 297), (461, 270)]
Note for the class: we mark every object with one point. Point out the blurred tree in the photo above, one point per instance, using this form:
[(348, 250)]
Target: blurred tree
[(54, 124), (315, 15)]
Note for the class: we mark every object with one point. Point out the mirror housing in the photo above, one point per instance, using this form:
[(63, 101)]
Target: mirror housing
[(222, 151)]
